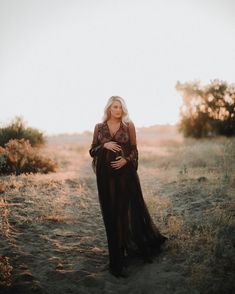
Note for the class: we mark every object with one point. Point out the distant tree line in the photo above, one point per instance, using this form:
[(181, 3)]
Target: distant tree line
[(207, 110)]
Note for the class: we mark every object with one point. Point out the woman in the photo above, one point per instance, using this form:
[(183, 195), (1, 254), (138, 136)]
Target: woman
[(129, 227)]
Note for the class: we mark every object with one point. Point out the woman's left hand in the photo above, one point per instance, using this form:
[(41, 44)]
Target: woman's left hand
[(120, 162)]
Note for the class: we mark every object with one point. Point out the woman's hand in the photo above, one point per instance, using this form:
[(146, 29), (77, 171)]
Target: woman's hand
[(120, 162), (113, 146)]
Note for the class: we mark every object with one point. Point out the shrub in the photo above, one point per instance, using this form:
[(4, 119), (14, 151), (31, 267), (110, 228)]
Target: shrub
[(17, 129), (3, 158), (20, 157)]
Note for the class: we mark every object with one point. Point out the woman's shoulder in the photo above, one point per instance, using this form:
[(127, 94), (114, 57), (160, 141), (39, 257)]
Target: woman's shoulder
[(99, 125), (130, 124)]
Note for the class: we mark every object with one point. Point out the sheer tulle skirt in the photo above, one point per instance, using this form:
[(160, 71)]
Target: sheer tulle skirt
[(129, 227)]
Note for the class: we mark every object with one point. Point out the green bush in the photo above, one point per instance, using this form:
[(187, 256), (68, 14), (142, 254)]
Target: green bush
[(17, 129)]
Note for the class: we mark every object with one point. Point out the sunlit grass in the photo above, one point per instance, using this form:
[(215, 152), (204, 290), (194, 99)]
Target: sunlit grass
[(190, 191), (4, 217), (189, 188)]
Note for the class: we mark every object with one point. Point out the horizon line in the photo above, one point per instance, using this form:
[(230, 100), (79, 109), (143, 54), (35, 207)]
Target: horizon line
[(91, 131)]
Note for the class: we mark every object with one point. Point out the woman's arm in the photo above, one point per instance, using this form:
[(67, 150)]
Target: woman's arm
[(133, 156), (95, 146)]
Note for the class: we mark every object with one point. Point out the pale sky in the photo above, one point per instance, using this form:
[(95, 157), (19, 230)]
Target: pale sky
[(60, 60)]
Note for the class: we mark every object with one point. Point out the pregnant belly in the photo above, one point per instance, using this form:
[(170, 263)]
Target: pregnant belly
[(112, 156)]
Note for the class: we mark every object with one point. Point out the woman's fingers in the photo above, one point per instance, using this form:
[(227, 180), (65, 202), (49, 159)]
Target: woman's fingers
[(118, 158), (113, 146), (116, 146), (118, 163)]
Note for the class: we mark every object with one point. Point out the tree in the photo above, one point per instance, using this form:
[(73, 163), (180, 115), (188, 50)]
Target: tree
[(207, 110)]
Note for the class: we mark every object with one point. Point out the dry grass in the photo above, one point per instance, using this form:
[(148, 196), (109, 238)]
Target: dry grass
[(198, 190), (5, 272), (2, 187), (189, 187)]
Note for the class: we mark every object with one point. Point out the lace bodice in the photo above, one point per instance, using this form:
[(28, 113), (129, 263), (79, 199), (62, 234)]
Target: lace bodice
[(125, 137)]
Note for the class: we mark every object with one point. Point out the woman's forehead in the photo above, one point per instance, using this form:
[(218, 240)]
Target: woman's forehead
[(116, 103)]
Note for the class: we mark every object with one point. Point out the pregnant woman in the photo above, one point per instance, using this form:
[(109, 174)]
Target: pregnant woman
[(129, 226)]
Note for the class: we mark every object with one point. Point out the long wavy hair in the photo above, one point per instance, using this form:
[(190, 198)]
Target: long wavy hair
[(125, 115)]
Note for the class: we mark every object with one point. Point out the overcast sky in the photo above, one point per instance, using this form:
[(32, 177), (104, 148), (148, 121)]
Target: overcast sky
[(61, 60)]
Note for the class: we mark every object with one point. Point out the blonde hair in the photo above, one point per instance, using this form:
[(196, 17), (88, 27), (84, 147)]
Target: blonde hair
[(125, 115)]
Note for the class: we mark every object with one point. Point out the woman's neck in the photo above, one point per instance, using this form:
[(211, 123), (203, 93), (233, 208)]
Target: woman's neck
[(114, 120)]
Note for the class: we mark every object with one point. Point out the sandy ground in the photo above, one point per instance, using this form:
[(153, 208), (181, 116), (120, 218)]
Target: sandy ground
[(53, 238)]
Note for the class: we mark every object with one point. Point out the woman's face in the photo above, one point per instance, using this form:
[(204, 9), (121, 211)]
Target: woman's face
[(116, 110)]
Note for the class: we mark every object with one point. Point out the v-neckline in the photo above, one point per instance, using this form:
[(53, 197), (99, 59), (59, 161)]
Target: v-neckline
[(116, 130)]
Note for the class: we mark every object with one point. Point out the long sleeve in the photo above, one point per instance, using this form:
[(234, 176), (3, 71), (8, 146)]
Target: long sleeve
[(133, 156), (95, 146)]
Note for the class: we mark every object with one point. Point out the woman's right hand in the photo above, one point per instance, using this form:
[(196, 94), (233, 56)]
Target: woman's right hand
[(113, 146)]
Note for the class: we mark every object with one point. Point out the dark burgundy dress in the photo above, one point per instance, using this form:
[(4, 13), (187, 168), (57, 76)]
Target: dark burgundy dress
[(129, 227)]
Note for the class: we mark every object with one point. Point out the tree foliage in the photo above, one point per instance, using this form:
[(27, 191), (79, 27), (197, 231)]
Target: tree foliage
[(207, 110)]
